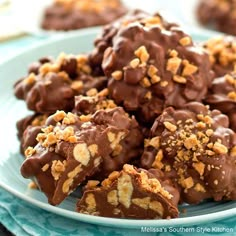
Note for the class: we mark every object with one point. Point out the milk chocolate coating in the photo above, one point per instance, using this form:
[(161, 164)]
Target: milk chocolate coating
[(28, 129), (218, 15), (221, 52), (56, 83), (105, 39), (60, 16), (196, 150), (132, 193), (222, 96), (172, 54), (131, 144), (71, 149), (35, 66)]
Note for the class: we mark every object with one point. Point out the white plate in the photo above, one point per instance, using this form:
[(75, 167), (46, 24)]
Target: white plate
[(10, 159)]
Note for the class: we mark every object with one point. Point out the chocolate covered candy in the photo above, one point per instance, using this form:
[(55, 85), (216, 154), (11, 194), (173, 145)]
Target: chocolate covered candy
[(218, 14), (130, 147), (105, 38), (151, 66), (130, 193), (56, 84), (72, 148), (222, 51), (222, 96), (76, 14), (28, 129), (196, 149)]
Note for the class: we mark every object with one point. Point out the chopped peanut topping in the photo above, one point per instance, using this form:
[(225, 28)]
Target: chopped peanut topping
[(117, 75), (142, 54), (191, 142), (77, 85), (32, 185), (150, 21), (145, 82), (93, 149), (232, 95), (154, 142), (85, 118), (92, 92), (229, 79), (29, 152), (155, 79), (189, 69), (59, 115), (92, 183), (179, 79), (185, 41), (148, 95), (199, 167), (187, 183), (57, 168), (173, 65), (152, 70), (30, 79), (164, 83), (199, 188), (157, 162), (134, 63), (220, 148), (45, 167), (170, 126)]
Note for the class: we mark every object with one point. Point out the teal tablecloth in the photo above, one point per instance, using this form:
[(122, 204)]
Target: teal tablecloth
[(23, 219)]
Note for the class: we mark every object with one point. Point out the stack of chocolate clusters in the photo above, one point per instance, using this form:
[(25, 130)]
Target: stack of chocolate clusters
[(144, 122)]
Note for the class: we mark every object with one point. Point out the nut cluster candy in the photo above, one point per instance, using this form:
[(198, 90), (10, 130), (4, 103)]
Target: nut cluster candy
[(71, 148), (105, 39), (143, 122), (75, 14), (55, 84), (196, 149), (222, 96), (222, 54), (150, 67), (28, 129), (218, 14), (130, 193)]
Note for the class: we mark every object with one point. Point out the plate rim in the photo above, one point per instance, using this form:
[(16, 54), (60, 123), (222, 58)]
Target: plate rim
[(105, 221)]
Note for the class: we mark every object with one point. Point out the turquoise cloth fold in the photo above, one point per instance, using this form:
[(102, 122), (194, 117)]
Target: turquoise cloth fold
[(23, 219)]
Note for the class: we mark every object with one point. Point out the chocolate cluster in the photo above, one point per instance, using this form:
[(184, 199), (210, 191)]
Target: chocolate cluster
[(76, 14), (218, 14), (153, 65), (133, 121), (196, 149), (222, 96), (222, 54), (51, 86), (71, 148), (105, 39), (131, 193)]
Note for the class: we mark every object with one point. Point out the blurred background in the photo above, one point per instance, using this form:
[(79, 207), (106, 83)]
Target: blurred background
[(21, 20)]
